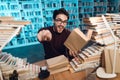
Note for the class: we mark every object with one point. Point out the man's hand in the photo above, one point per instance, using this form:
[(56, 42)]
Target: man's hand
[(44, 35), (74, 53)]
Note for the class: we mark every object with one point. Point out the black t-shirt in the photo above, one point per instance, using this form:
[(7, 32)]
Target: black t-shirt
[(55, 47)]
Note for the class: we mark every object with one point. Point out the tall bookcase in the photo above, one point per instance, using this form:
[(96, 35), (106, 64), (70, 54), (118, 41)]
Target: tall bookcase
[(100, 7), (113, 6), (86, 9), (24, 10), (47, 10), (72, 7)]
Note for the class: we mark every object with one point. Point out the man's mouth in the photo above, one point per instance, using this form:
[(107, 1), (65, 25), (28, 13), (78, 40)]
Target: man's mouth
[(60, 28)]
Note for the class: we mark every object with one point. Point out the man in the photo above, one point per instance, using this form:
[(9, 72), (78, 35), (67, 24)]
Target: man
[(53, 37)]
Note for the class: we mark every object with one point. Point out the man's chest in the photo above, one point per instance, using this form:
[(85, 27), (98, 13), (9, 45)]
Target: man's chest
[(58, 40)]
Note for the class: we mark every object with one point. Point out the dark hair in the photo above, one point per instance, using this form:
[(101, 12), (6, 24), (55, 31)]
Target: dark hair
[(60, 11)]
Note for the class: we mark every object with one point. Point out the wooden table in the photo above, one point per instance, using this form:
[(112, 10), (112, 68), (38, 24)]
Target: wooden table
[(67, 75)]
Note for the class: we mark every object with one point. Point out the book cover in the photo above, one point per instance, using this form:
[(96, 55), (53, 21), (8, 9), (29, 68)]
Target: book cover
[(109, 56), (57, 61), (77, 39)]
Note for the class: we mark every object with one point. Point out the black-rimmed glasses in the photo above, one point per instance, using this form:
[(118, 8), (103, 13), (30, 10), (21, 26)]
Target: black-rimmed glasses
[(60, 21)]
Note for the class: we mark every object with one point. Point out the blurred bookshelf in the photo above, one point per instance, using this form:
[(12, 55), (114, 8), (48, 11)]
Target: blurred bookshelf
[(39, 12)]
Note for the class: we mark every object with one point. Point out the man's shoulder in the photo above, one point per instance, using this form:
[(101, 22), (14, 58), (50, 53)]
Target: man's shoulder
[(45, 28), (67, 30)]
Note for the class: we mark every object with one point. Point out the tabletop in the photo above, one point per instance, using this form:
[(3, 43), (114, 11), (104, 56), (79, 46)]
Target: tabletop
[(68, 75)]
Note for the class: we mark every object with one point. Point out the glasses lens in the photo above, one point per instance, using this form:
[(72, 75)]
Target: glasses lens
[(60, 21)]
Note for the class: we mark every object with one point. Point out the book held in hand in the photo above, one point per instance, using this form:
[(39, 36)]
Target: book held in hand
[(77, 39)]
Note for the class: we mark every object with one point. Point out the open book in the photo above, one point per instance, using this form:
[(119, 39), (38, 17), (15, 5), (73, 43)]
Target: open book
[(77, 39)]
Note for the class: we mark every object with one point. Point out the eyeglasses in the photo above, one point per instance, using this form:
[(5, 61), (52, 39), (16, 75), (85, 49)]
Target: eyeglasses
[(60, 21)]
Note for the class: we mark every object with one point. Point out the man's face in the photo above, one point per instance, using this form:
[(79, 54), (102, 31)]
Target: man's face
[(60, 22)]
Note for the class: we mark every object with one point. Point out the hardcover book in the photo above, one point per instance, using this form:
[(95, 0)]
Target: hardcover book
[(57, 61), (108, 60), (57, 64), (77, 39)]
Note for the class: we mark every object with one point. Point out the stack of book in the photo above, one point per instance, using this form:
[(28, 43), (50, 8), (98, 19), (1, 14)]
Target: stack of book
[(115, 18), (9, 63), (117, 32), (116, 21), (101, 34), (77, 41), (91, 56), (57, 64), (9, 28), (8, 20), (108, 62), (87, 58)]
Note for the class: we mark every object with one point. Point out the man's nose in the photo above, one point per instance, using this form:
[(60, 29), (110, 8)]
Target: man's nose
[(62, 23)]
